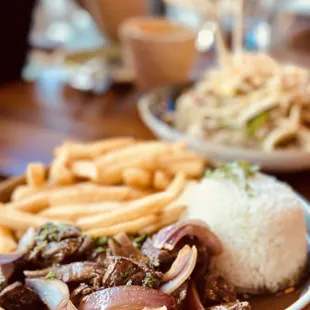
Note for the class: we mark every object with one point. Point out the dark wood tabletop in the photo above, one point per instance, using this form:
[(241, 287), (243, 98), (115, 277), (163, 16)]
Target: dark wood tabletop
[(36, 117)]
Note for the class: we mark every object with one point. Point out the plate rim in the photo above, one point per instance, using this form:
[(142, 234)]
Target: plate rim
[(164, 131)]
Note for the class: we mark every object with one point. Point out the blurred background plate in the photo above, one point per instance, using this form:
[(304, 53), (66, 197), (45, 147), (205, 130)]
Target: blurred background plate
[(150, 108)]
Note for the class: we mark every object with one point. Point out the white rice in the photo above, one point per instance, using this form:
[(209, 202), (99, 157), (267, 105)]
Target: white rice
[(263, 233)]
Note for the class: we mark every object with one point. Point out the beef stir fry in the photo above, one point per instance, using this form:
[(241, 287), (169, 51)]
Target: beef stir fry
[(57, 267)]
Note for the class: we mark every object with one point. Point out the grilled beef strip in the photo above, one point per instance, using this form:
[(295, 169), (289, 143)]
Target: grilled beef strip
[(216, 290), (57, 244), (123, 271), (19, 297)]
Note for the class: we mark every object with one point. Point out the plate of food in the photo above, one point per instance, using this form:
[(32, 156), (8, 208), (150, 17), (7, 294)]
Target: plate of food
[(247, 107), (127, 224)]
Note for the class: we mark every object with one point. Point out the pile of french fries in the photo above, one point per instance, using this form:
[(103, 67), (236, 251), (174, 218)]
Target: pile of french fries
[(105, 187)]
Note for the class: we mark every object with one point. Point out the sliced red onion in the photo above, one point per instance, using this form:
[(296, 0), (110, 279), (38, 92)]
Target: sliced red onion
[(169, 237), (54, 293), (123, 246), (184, 273), (24, 244), (178, 265), (37, 273), (193, 299), (11, 257), (127, 298), (27, 240)]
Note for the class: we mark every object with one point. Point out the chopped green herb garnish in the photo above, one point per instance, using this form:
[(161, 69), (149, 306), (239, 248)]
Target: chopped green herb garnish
[(248, 169), (50, 275), (138, 241), (237, 172), (232, 171), (40, 245), (125, 274), (100, 250), (99, 241), (149, 280), (51, 232), (256, 123)]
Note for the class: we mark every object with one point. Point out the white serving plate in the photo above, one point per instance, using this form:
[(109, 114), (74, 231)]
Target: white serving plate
[(277, 161)]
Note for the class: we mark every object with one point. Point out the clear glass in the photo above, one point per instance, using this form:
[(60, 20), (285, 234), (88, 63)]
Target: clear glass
[(196, 13)]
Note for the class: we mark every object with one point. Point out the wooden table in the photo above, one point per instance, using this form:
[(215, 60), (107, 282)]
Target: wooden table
[(36, 117)]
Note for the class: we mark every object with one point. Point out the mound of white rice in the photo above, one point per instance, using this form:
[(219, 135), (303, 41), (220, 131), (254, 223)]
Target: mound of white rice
[(263, 231)]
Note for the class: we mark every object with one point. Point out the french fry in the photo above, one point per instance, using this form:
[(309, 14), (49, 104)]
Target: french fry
[(138, 208), (7, 241), (78, 151), (19, 233), (32, 204), (161, 180), (132, 152), (114, 174), (130, 227), (60, 174), (137, 177), (185, 196), (177, 156), (84, 169), (16, 219), (192, 168), (88, 193), (73, 212), (35, 174), (167, 217), (120, 195), (24, 191)]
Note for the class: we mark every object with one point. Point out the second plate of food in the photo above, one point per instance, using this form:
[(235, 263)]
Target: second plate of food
[(171, 115)]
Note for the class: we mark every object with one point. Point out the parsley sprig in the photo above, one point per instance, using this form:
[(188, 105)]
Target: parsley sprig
[(237, 172), (50, 275), (125, 274), (138, 240)]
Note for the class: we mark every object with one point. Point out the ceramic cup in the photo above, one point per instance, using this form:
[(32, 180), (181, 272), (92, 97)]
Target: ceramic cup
[(158, 51)]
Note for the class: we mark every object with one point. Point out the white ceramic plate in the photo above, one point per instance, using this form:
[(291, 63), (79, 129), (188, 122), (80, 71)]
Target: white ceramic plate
[(277, 161)]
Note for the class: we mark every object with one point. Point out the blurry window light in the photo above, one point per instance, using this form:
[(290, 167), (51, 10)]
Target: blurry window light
[(205, 38)]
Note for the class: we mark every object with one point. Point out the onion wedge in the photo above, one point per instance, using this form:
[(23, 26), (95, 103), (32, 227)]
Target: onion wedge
[(11, 257), (27, 240), (127, 298), (54, 293), (169, 237), (193, 299), (178, 265), (180, 270), (24, 244)]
